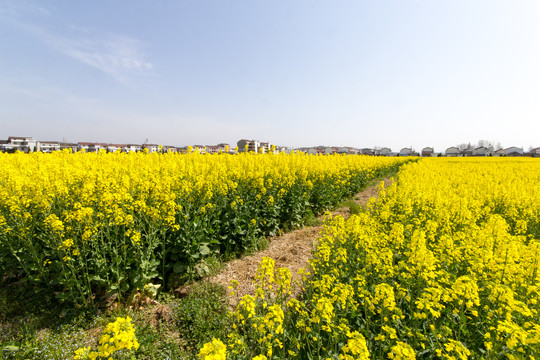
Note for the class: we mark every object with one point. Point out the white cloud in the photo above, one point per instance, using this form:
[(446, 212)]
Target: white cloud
[(21, 7), (119, 56)]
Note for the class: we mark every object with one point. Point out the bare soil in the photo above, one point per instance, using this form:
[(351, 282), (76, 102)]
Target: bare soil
[(291, 250)]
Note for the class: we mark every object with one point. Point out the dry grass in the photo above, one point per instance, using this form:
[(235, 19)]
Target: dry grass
[(291, 250)]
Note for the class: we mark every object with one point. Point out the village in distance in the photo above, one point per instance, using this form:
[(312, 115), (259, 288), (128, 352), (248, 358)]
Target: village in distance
[(482, 148)]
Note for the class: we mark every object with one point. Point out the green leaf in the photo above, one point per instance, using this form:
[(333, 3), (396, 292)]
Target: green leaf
[(179, 268), (204, 249), (11, 348), (97, 280), (154, 263), (124, 286)]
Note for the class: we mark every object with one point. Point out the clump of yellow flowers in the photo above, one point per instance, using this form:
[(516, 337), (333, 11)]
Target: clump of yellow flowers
[(444, 265), (117, 335), (77, 222), (214, 350)]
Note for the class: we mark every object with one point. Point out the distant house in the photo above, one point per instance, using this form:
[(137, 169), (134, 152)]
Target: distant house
[(213, 149), (224, 148), (22, 143), (152, 148), (535, 152), (201, 149), (513, 151), (95, 147), (83, 146), (5, 146), (406, 152), (367, 151), (452, 151), (310, 150), (71, 146), (499, 152), (467, 152), (328, 151), (115, 147), (265, 148), (170, 149), (481, 151), (48, 146), (427, 151), (385, 151), (133, 148), (286, 150), (245, 145)]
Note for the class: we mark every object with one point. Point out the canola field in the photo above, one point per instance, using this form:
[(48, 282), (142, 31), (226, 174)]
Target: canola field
[(444, 265), (94, 226)]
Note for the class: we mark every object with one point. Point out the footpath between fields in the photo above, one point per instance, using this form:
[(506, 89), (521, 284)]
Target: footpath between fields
[(291, 250)]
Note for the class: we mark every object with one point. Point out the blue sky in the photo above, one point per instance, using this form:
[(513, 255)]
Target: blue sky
[(294, 73)]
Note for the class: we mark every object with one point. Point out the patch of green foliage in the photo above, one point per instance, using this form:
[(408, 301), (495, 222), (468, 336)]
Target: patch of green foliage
[(202, 315), (354, 207)]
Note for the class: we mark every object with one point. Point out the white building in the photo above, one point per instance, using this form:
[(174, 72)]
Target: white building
[(513, 151), (245, 145), (481, 151), (427, 151), (24, 144), (84, 146), (406, 152), (452, 151), (367, 151), (115, 147), (71, 146), (133, 148), (47, 146), (5, 146), (151, 147)]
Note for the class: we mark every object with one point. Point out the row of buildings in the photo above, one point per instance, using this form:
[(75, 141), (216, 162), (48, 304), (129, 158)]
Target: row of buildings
[(484, 151), (426, 152), (29, 144)]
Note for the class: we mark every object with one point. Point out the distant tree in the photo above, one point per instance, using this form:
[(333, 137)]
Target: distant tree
[(483, 143), (487, 144), (491, 145)]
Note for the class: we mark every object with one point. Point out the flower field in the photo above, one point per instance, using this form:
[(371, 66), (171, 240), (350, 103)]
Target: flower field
[(444, 265), (91, 226)]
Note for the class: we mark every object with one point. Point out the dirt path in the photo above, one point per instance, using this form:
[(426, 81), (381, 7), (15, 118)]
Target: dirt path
[(291, 250)]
